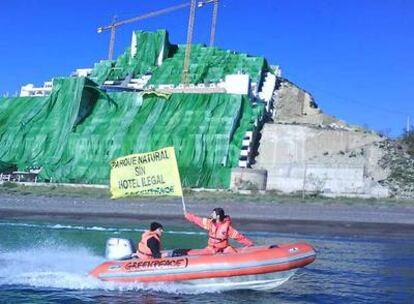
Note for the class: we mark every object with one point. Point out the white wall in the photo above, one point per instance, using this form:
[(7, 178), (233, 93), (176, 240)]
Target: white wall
[(328, 178), (297, 143), (237, 84)]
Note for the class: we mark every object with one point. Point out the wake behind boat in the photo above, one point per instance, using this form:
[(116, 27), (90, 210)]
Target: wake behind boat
[(262, 264)]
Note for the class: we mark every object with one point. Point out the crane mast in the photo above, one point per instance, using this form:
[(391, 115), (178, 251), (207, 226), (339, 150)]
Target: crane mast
[(213, 18), (185, 76), (112, 39), (214, 22), (186, 66)]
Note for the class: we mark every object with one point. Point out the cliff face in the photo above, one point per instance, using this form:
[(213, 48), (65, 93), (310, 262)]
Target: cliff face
[(293, 105), (303, 149)]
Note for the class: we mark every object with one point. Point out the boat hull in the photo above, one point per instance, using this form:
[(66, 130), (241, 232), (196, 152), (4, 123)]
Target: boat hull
[(246, 262)]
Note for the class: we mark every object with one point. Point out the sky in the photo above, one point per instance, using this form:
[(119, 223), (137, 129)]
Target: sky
[(356, 58)]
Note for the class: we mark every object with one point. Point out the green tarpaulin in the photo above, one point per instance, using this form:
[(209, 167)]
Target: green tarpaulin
[(73, 133), (208, 64)]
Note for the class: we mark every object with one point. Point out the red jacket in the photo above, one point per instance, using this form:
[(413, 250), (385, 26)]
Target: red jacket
[(143, 251), (219, 232)]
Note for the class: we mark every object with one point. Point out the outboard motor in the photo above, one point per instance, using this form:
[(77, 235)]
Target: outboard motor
[(118, 249)]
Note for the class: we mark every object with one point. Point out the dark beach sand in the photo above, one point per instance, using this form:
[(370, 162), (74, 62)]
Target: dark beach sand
[(380, 219)]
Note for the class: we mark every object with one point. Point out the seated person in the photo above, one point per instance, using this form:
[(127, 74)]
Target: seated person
[(150, 245)]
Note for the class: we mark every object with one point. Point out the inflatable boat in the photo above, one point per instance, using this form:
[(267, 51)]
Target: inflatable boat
[(247, 262)]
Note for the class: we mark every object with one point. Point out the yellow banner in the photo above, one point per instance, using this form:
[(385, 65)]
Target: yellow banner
[(152, 173)]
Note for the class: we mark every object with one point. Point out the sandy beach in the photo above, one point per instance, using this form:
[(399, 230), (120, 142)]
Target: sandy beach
[(276, 215)]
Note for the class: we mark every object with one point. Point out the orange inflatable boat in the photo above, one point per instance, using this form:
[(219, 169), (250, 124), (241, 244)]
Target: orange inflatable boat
[(246, 262)]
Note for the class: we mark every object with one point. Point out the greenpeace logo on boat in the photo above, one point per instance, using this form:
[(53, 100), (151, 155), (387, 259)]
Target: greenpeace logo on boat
[(156, 264)]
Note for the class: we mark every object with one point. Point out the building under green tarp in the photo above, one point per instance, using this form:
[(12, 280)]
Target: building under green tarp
[(208, 64), (73, 133)]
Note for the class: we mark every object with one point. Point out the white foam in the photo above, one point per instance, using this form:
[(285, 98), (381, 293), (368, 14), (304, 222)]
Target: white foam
[(63, 267)]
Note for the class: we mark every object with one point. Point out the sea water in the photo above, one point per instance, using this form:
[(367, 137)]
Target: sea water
[(48, 262)]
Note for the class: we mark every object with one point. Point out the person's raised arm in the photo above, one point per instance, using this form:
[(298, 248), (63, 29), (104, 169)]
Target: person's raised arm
[(234, 234), (199, 221)]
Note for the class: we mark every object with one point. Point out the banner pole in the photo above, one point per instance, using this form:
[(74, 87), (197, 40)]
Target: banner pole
[(182, 200)]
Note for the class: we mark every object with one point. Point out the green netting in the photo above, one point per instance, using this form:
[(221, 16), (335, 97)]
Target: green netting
[(34, 130), (202, 128), (7, 168), (149, 47), (78, 129), (101, 71), (74, 133), (208, 64)]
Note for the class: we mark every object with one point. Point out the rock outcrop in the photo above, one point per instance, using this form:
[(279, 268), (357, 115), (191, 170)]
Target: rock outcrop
[(304, 149)]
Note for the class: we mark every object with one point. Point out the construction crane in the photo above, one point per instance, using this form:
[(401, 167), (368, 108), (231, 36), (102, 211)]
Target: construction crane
[(115, 24), (213, 18)]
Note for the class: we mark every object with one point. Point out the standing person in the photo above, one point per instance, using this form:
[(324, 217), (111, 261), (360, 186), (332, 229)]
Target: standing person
[(150, 245), (219, 231)]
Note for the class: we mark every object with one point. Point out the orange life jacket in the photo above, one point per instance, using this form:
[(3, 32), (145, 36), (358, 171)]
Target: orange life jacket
[(218, 234), (143, 251)]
